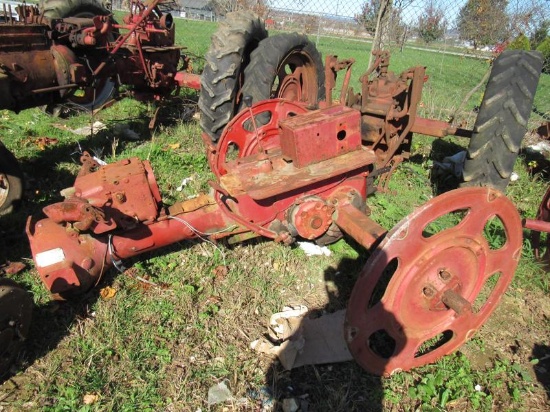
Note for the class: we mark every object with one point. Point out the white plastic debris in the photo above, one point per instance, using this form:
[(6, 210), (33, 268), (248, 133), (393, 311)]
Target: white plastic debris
[(219, 393), (478, 388), (514, 176), (282, 321), (184, 183), (311, 249), (99, 161), (540, 147), (298, 340), (451, 164), (87, 130), (290, 405)]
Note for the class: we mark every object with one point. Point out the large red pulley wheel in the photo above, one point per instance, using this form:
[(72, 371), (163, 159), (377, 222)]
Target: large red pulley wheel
[(434, 280), (244, 137)]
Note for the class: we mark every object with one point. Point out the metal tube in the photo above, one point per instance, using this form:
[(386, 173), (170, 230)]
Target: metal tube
[(359, 226), (538, 225)]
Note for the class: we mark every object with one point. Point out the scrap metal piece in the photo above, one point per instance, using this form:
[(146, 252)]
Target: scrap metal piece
[(540, 224)]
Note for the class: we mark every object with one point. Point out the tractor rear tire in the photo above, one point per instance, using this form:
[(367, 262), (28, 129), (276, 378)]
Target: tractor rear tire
[(11, 181), (222, 76), (274, 58), (57, 9), (502, 120), (15, 318)]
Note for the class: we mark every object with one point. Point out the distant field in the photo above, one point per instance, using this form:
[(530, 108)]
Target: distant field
[(450, 77)]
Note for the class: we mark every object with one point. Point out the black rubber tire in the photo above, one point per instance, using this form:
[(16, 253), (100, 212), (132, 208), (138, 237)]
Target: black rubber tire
[(502, 120), (266, 61), (56, 9), (16, 307), (11, 182), (222, 76)]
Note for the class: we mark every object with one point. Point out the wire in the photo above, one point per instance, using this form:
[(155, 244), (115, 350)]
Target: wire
[(116, 261), (201, 234)]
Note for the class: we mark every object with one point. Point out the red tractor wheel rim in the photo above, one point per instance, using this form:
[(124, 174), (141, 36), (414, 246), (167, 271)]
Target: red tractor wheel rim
[(443, 288), (239, 137)]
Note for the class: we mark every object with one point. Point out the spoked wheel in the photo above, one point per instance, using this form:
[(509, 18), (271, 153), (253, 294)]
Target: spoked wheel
[(285, 66), (85, 98), (15, 318), (434, 280), (239, 137)]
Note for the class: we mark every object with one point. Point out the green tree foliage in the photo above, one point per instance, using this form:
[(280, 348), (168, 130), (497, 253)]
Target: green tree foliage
[(540, 33), (521, 42), (369, 15), (483, 22), (392, 28), (431, 24), (544, 48)]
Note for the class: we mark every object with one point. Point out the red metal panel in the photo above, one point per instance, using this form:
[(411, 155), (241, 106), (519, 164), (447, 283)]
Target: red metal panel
[(320, 135)]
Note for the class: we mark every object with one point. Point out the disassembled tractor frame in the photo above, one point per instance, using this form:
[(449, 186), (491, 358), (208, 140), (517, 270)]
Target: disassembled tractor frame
[(306, 174)]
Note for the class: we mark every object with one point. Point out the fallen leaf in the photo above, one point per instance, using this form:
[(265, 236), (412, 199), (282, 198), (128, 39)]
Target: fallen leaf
[(107, 293), (174, 146), (213, 300), (90, 398), (11, 268), (220, 273), (42, 142)]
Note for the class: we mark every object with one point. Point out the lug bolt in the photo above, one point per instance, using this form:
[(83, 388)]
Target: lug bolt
[(428, 291), (444, 275)]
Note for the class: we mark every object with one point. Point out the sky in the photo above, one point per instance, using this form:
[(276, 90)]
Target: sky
[(348, 8)]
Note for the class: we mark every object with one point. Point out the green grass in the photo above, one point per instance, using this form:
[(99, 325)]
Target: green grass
[(161, 345)]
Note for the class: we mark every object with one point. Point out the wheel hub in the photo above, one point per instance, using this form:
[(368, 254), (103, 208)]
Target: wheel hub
[(291, 87), (311, 218)]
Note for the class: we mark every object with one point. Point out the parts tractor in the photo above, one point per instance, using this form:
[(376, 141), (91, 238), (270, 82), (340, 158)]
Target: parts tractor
[(291, 162), (74, 54)]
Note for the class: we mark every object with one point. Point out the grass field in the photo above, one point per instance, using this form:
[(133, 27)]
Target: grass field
[(161, 345)]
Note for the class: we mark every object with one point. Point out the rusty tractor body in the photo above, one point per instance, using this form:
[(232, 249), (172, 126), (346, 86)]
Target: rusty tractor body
[(286, 172), (73, 56), (46, 58)]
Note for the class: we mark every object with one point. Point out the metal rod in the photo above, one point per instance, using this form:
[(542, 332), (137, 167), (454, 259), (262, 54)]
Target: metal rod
[(55, 88), (359, 226), (538, 225), (127, 35)]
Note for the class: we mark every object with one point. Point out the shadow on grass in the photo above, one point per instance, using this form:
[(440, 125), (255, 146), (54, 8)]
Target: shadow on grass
[(542, 368), (343, 386)]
